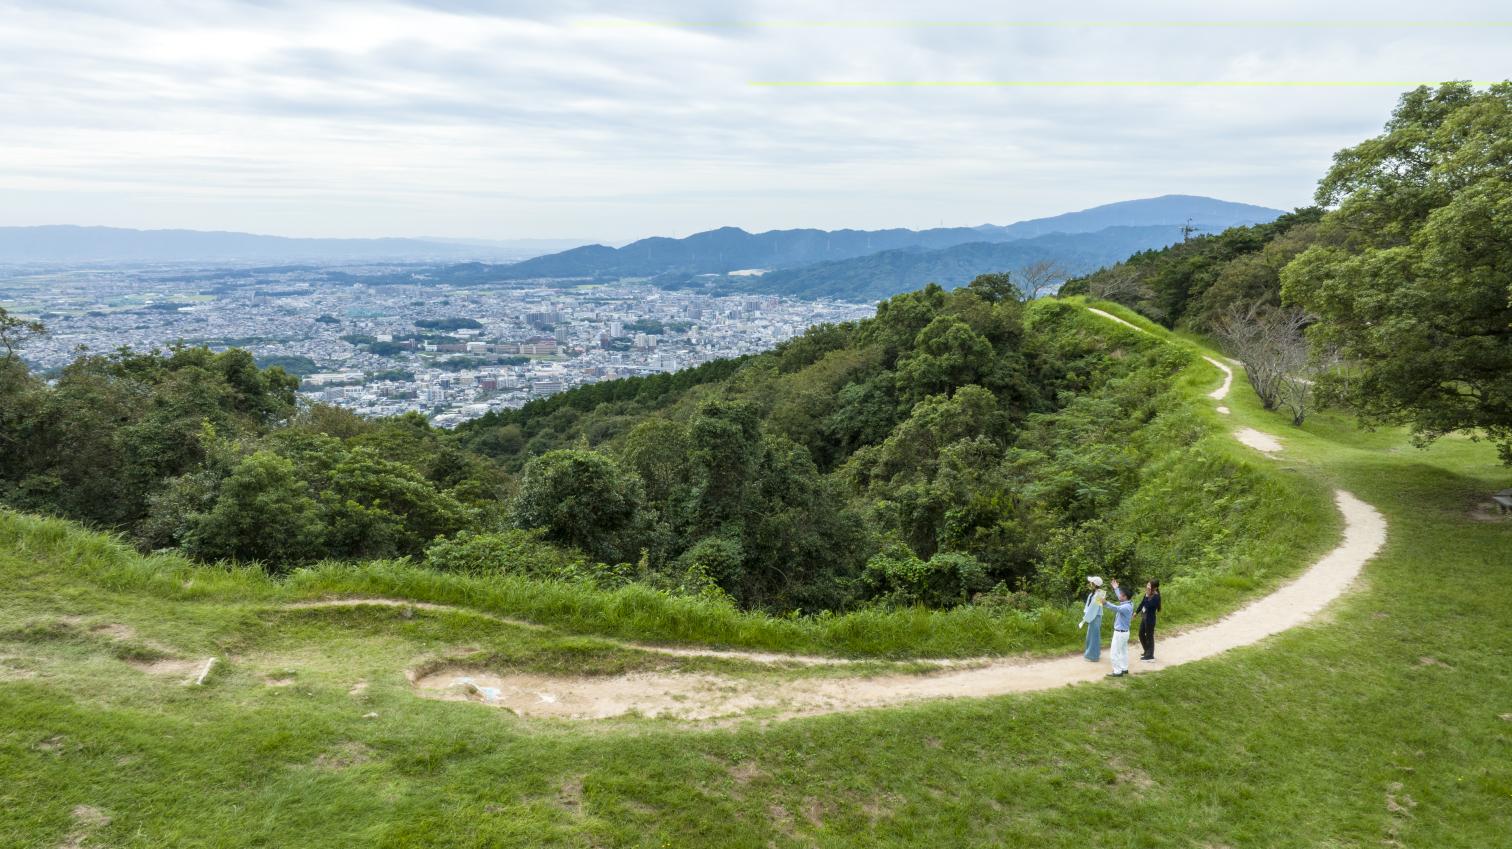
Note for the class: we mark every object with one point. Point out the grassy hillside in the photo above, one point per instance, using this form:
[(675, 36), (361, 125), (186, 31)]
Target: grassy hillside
[(1388, 722)]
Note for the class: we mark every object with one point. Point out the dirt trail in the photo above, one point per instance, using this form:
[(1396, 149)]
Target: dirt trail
[(1258, 440), (1111, 317), (1222, 391), (705, 696)]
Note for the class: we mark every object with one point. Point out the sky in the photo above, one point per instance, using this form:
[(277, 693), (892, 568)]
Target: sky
[(560, 119)]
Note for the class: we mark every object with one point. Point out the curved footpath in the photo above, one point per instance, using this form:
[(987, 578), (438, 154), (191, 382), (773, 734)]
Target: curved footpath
[(703, 696)]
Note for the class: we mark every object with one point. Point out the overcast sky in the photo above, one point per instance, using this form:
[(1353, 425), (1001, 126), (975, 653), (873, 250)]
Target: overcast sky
[(560, 119)]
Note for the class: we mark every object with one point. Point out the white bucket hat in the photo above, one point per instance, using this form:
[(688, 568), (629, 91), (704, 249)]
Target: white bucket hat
[(1096, 580)]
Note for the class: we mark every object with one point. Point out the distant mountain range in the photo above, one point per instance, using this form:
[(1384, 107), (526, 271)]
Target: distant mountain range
[(1205, 213), (862, 265), (69, 244), (881, 275), (732, 249)]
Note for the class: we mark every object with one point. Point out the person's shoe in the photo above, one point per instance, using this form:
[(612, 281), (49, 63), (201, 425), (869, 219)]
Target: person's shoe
[(1117, 674), (1148, 659)]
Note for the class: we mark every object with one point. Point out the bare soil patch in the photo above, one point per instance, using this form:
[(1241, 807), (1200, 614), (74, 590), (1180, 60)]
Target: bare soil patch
[(1488, 512), (113, 631), (1398, 802), (345, 756), (1262, 442), (87, 820), (570, 795), (745, 772), (170, 668)]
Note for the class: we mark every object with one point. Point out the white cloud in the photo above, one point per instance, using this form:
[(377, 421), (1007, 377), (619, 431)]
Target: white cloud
[(545, 119)]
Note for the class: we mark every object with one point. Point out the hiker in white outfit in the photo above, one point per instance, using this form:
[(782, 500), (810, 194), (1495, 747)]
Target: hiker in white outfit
[(1092, 610), (1124, 611)]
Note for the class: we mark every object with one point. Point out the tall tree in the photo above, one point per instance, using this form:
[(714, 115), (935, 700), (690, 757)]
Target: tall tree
[(1418, 295), (265, 513), (582, 499)]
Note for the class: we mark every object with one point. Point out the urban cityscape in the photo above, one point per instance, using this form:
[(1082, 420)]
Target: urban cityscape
[(383, 340)]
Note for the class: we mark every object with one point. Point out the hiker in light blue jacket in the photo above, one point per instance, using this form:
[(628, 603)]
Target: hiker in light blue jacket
[(1092, 611), (1123, 612)]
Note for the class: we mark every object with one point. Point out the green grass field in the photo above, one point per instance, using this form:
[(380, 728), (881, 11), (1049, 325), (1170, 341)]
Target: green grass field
[(1388, 722)]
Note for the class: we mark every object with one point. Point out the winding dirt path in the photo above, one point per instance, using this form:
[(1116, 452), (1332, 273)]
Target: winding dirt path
[(705, 696), (700, 696)]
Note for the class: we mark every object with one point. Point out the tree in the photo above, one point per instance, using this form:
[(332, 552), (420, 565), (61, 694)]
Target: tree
[(376, 507), (658, 451), (1416, 294), (995, 287), (264, 512), (581, 499), (15, 330), (946, 354), (1040, 277), (1269, 341), (725, 438)]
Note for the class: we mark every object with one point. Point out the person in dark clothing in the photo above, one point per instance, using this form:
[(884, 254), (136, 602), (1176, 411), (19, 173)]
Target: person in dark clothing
[(1148, 607)]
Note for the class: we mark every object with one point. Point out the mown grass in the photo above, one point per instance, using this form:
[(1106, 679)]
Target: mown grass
[(1386, 723)]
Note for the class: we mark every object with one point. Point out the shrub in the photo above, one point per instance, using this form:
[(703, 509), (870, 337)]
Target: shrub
[(505, 552), (899, 578)]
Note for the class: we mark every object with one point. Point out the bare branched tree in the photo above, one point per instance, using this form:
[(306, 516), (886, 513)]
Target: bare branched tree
[(1276, 360), (1299, 388), (1119, 283), (1040, 277)]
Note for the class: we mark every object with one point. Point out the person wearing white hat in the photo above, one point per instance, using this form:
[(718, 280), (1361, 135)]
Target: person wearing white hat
[(1092, 610)]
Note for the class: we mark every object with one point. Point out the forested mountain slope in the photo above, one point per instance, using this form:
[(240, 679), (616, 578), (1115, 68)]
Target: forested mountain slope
[(882, 275)]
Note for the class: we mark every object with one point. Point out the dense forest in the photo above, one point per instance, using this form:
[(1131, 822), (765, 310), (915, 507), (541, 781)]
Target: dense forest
[(960, 445)]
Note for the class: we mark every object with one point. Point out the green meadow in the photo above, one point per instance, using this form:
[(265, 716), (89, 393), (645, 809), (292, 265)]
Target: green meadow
[(1385, 722)]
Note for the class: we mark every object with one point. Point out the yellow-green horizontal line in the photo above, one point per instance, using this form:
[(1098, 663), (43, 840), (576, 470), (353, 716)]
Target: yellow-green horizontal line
[(1099, 83), (865, 23)]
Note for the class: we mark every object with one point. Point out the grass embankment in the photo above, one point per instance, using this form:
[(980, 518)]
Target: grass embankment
[(1389, 722), (1219, 523)]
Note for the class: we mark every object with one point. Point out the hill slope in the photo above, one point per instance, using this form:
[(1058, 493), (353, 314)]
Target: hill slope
[(1363, 729)]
